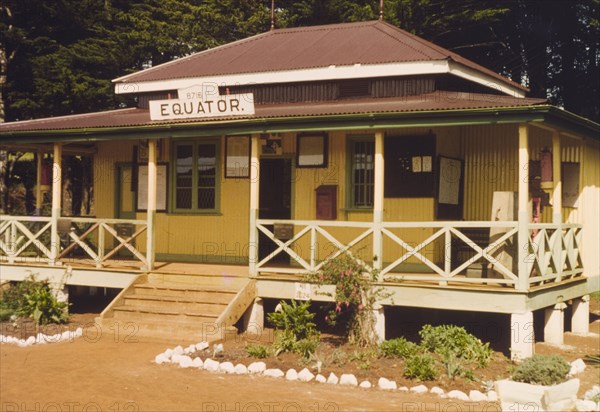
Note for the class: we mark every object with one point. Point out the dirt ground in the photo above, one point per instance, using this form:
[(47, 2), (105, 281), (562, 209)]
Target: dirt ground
[(113, 371)]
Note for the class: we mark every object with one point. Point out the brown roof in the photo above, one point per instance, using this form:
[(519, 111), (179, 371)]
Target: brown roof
[(372, 42), (436, 101)]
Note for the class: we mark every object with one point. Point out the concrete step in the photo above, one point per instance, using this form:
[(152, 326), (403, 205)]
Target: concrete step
[(198, 293), (176, 303)]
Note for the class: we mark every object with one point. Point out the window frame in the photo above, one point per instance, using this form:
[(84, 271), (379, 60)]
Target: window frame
[(350, 150), (216, 142)]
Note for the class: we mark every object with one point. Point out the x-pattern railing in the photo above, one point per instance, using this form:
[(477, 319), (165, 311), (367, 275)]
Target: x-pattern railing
[(21, 234), (554, 252)]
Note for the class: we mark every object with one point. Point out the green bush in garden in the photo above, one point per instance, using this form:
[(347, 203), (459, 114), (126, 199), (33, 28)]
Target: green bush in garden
[(542, 370)]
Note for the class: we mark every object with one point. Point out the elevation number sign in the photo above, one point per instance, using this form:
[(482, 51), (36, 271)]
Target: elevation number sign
[(198, 102)]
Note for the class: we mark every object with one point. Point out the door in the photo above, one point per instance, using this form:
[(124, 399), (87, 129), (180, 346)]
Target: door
[(125, 205), (275, 199)]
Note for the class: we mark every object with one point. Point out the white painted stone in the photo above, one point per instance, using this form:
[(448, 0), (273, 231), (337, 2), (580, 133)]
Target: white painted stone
[(226, 367), (78, 332), (168, 353), (161, 358), (175, 358), (577, 366), (320, 378), (437, 390), (305, 375), (274, 373), (386, 384), (460, 395), (492, 396), (419, 389), (477, 396), (210, 365), (257, 367), (291, 375), (585, 405), (190, 349), (592, 393), (30, 341), (403, 389), (240, 369), (197, 362), (365, 385), (218, 348), (201, 345), (178, 350), (348, 379), (185, 361), (66, 335), (333, 379)]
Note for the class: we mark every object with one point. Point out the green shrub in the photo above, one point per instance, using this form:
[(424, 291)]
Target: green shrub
[(258, 351), (421, 367), (542, 370), (35, 299), (454, 341), (398, 348), (296, 330), (5, 314)]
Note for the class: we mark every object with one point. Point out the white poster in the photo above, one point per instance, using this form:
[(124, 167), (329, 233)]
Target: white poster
[(161, 188), (450, 175)]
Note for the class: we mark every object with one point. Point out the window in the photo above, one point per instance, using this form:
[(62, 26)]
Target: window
[(195, 177), (362, 172)]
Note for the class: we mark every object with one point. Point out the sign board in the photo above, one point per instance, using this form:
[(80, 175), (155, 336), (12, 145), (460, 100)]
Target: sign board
[(198, 102), (161, 188)]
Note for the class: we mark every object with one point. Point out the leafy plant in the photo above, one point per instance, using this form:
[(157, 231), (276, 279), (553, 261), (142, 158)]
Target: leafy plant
[(448, 340), (542, 370), (35, 299), (355, 297), (398, 348), (363, 358), (296, 330), (421, 366), (258, 351)]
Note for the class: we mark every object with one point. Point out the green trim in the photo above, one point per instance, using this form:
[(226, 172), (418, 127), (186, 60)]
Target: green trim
[(222, 259), (500, 115)]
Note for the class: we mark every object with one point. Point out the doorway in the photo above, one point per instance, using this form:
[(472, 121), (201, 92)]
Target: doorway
[(125, 205), (275, 197)]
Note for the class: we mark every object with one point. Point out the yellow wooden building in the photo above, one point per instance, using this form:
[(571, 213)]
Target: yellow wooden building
[(245, 166)]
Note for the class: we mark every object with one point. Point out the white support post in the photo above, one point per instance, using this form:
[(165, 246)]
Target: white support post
[(378, 203), (254, 199), (523, 209), (151, 214), (522, 336), (580, 320), (254, 318), (56, 202), (38, 183), (556, 179), (554, 324), (379, 322)]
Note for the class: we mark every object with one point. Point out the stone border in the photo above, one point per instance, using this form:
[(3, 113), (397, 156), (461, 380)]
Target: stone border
[(41, 339)]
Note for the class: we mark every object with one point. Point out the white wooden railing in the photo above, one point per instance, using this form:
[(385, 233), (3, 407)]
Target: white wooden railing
[(553, 250), (554, 253), (25, 236), (28, 238)]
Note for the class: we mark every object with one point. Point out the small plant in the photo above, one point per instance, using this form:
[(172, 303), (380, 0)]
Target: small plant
[(398, 348), (542, 370), (258, 351), (592, 360), (448, 340), (363, 358), (355, 297), (296, 331), (421, 367)]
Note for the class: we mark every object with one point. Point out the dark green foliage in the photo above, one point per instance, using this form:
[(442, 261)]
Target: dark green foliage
[(542, 370), (34, 299), (398, 348), (296, 331), (455, 342), (421, 367)]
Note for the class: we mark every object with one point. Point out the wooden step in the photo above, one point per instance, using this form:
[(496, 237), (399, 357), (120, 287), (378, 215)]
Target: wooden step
[(175, 303), (150, 313), (201, 294)]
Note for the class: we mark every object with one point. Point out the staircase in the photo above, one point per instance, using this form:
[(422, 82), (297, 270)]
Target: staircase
[(179, 308)]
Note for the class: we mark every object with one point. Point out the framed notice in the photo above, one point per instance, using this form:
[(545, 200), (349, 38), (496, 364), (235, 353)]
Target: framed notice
[(237, 156), (449, 204), (161, 188), (570, 184), (311, 150)]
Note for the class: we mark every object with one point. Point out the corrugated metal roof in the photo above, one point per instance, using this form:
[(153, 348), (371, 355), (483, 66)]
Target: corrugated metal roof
[(373, 42), (436, 101)]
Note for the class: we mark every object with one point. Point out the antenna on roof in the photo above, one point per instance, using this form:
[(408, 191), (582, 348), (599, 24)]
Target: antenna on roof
[(380, 10), (272, 14)]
